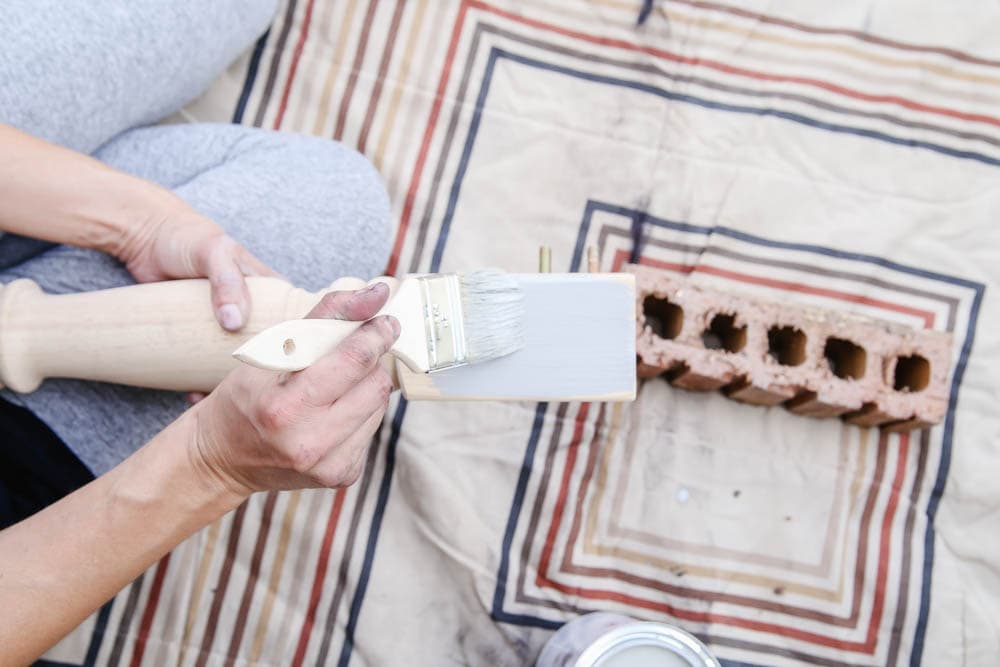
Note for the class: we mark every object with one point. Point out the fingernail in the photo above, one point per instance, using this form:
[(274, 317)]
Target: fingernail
[(394, 323), (230, 317), (376, 287)]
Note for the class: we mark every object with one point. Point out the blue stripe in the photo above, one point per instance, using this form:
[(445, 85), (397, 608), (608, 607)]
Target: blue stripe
[(644, 12), (348, 647), (947, 438), (942, 477), (515, 511), (241, 104), (380, 503), (97, 636), (771, 243), (641, 217), (463, 164), (495, 54), (581, 237), (751, 110)]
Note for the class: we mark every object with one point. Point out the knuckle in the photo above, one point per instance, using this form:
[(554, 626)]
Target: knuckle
[(226, 277), (275, 414), (388, 330), (328, 306), (357, 353), (314, 393), (378, 335), (353, 475), (383, 384), (305, 457), (353, 470), (332, 476), (345, 468)]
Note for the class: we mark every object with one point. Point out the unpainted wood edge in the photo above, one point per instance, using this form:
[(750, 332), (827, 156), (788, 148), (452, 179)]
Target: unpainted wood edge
[(421, 387)]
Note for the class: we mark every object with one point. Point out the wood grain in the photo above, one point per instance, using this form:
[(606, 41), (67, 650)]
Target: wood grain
[(159, 335)]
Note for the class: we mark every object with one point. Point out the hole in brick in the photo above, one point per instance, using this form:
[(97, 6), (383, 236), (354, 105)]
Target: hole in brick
[(722, 333), (787, 345), (846, 359), (913, 373), (663, 317)]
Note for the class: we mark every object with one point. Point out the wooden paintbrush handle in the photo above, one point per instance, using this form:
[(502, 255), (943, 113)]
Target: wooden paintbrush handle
[(160, 335)]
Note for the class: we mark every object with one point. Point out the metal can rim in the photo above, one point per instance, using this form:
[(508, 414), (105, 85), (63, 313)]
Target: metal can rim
[(651, 634)]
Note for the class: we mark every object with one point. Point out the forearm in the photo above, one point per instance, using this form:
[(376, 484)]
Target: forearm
[(61, 564), (56, 194)]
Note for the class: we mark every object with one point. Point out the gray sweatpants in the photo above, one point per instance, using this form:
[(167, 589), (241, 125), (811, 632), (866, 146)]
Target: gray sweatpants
[(82, 74)]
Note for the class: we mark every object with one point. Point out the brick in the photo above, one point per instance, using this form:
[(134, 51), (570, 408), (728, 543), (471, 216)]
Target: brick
[(869, 415), (745, 391), (818, 363), (687, 379), (646, 371), (809, 404)]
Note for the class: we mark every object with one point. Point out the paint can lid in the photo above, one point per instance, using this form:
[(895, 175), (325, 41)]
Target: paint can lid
[(646, 645), (607, 639)]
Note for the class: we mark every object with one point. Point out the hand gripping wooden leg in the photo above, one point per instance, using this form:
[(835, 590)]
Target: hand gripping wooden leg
[(158, 335)]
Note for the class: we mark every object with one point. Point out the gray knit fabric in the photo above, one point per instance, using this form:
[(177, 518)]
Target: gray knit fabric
[(79, 72), (312, 209)]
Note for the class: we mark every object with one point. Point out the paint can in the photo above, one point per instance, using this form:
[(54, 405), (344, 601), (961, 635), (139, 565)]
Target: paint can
[(603, 639)]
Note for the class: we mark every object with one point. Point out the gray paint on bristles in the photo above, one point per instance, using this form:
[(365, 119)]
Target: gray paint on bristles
[(493, 314)]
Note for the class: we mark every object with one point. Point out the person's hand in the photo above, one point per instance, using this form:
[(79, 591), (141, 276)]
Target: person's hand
[(181, 243), (265, 430)]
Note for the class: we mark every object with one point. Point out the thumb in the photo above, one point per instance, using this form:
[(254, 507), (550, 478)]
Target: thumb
[(230, 296)]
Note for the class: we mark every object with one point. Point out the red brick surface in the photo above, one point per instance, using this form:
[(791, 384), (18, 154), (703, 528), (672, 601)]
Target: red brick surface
[(819, 363)]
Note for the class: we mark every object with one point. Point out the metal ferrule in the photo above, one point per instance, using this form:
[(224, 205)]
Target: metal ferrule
[(444, 321)]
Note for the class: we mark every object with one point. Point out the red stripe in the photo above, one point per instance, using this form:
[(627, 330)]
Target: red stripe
[(150, 611), (878, 604), (318, 578), (867, 646), (411, 195), (739, 71), (864, 37), (456, 32), (303, 33), (926, 315), (550, 539), (571, 454)]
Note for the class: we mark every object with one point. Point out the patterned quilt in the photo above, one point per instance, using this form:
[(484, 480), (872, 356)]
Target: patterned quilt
[(839, 154)]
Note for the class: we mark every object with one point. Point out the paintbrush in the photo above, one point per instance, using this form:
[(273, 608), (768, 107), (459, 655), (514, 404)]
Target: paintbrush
[(446, 321)]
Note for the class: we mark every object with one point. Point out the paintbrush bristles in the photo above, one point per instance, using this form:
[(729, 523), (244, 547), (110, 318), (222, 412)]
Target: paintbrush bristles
[(493, 308)]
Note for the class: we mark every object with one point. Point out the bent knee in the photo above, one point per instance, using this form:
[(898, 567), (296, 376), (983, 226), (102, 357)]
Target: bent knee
[(349, 207), (332, 202)]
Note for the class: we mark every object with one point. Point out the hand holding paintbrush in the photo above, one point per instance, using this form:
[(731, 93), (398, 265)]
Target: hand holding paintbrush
[(488, 335), (447, 320)]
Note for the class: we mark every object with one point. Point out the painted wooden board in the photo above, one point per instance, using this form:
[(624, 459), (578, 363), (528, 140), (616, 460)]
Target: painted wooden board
[(580, 347)]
